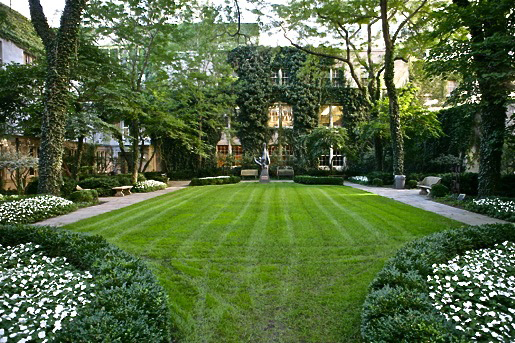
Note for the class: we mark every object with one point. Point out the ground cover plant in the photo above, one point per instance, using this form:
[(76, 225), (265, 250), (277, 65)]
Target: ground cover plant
[(148, 186), (453, 286), (493, 207), (214, 180), (254, 262), (90, 290), (33, 209)]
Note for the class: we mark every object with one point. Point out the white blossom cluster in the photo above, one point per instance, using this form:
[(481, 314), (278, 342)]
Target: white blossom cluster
[(359, 178), (214, 177), (39, 294), (498, 204), (24, 210), (476, 291), (149, 185)]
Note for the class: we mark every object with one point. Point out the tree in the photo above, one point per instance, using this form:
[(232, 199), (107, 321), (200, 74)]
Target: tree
[(19, 166), (321, 140), (59, 48), (477, 40)]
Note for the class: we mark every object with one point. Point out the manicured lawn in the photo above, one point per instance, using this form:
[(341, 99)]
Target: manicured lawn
[(280, 262)]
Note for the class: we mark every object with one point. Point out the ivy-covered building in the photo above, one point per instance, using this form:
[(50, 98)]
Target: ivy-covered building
[(282, 95)]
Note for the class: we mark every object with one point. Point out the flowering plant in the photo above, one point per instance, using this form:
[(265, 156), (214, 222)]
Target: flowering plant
[(39, 295), (359, 179), (494, 207), (214, 180), (475, 291), (148, 186), (30, 210)]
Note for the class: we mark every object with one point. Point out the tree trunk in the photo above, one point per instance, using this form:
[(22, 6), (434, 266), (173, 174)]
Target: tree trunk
[(389, 73), (134, 129), (59, 49), (78, 158)]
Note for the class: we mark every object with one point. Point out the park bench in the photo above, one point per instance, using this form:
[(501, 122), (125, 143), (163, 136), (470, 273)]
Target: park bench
[(249, 172), (428, 182), (285, 171), (122, 191)]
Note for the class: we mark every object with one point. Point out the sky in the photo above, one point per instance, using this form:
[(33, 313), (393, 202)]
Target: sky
[(53, 9)]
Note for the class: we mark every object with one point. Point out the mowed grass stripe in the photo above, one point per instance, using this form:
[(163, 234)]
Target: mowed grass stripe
[(271, 263)]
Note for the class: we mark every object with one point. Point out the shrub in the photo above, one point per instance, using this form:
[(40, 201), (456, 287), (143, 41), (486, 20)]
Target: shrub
[(89, 196), (32, 186), (100, 182), (411, 184), (502, 208), (157, 176), (68, 187), (30, 210), (387, 178), (129, 305), (468, 182), (148, 186), (377, 182), (507, 186), (439, 191), (217, 180), (363, 180), (398, 307), (314, 180)]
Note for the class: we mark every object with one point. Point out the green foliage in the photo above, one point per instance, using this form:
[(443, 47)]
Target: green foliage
[(377, 182), (398, 308), (32, 186), (128, 304), (411, 184), (68, 187), (321, 139), (387, 178), (214, 181), (318, 180), (502, 208), (89, 196), (158, 176), (19, 30), (439, 191)]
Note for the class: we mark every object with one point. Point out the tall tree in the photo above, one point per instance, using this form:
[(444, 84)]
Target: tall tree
[(59, 48), (477, 40)]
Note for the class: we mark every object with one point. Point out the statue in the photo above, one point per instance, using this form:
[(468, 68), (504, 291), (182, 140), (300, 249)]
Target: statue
[(263, 162)]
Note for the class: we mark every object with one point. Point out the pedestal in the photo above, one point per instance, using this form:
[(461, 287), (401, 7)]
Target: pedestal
[(399, 181), (264, 177)]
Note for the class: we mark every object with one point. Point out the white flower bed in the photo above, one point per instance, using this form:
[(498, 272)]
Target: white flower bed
[(476, 292), (149, 185), (39, 294), (359, 178), (213, 177), (496, 203), (30, 209)]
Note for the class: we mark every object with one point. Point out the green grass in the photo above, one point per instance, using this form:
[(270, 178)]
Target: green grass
[(277, 262)]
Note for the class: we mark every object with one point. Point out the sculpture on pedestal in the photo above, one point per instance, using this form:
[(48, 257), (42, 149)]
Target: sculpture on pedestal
[(263, 162)]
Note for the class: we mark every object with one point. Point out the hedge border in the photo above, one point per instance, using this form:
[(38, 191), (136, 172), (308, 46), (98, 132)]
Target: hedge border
[(398, 307), (318, 180), (129, 306), (214, 181)]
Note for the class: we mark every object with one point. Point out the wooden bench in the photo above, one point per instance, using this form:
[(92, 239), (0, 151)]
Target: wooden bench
[(249, 172), (428, 182), (122, 191), (285, 171)]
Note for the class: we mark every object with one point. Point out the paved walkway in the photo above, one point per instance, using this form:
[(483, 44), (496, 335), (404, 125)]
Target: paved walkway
[(108, 204), (411, 197), (407, 196)]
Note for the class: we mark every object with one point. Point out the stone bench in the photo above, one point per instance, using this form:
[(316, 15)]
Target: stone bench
[(286, 171), (122, 191), (428, 182), (249, 172)]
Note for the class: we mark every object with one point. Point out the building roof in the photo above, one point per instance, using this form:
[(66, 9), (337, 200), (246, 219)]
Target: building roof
[(19, 30)]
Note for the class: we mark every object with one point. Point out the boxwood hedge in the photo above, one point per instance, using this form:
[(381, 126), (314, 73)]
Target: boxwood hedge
[(318, 180), (214, 181), (129, 305), (398, 307)]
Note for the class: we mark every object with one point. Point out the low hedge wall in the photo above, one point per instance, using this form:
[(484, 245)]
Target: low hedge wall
[(84, 196), (129, 305), (214, 180), (398, 307), (314, 180)]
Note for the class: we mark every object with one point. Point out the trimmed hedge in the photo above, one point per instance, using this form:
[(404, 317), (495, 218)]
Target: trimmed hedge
[(438, 191), (129, 306), (84, 196), (214, 181), (411, 184), (398, 307), (314, 180)]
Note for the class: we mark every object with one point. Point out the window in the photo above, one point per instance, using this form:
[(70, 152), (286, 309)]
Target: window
[(335, 77), (222, 150), (280, 77), (280, 112), (331, 115), (284, 77), (323, 160), (338, 159), (27, 58), (276, 79)]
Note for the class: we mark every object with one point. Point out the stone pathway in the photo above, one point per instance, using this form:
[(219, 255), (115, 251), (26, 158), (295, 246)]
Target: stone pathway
[(407, 196), (411, 197), (108, 204)]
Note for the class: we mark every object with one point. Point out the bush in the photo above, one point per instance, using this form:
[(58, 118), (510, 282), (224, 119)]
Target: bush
[(157, 176), (468, 182), (219, 180), (89, 196), (398, 307), (377, 182), (507, 186), (502, 208), (439, 191), (68, 187), (410, 184), (314, 180), (100, 182), (32, 187), (387, 178), (148, 186), (129, 305), (33, 209)]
